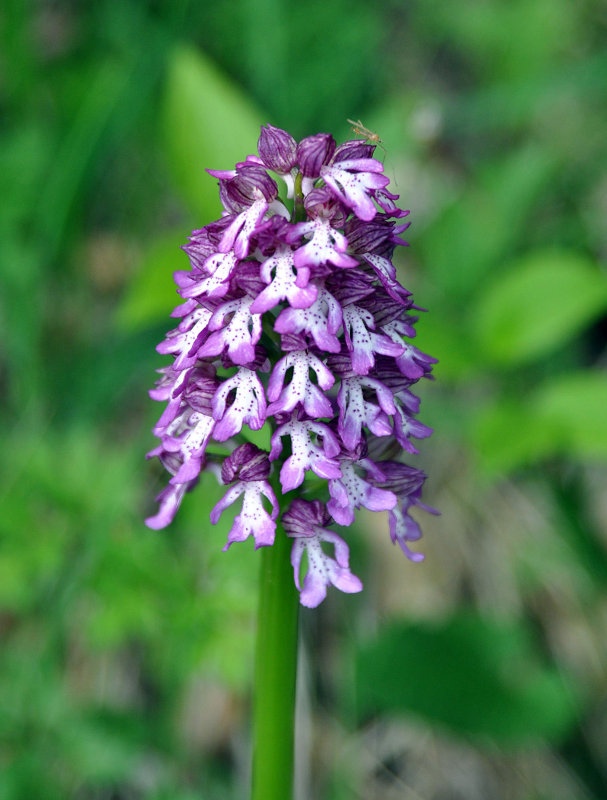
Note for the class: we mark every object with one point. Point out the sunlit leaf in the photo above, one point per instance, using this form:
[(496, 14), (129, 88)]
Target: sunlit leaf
[(152, 295), (538, 305), (209, 123)]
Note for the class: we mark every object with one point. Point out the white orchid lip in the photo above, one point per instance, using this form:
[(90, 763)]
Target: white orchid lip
[(293, 317)]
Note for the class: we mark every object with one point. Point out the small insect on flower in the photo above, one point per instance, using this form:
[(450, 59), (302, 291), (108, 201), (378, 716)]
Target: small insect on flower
[(369, 135)]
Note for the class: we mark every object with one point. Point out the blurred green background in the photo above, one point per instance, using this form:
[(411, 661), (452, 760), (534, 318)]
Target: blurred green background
[(126, 654)]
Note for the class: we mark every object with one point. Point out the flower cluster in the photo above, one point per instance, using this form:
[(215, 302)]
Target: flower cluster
[(292, 316)]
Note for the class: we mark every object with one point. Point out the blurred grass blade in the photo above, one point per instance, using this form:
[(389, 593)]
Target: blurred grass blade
[(475, 232), (209, 123)]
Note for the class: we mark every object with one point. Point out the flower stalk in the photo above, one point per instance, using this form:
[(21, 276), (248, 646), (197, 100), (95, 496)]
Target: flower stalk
[(275, 675)]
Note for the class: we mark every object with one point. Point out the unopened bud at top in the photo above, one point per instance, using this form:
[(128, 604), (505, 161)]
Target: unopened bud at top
[(250, 180), (277, 149), (313, 152), (246, 463)]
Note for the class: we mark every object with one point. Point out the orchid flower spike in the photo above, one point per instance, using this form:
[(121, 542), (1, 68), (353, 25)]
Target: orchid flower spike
[(293, 317)]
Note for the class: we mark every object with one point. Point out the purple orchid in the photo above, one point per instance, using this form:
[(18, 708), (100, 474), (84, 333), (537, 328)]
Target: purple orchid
[(292, 316), (251, 467), (306, 523)]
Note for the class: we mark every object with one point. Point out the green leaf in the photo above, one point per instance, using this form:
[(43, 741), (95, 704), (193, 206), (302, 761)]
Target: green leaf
[(457, 358), (508, 435), (209, 123), (544, 300), (576, 406), (151, 295), (478, 676)]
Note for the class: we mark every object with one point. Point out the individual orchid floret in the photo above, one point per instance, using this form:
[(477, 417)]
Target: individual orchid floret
[(384, 269), (171, 383), (192, 391), (305, 522), (387, 202), (301, 390), (248, 406), (293, 319), (305, 452), (214, 283), (362, 342), (238, 337), (354, 182), (321, 320), (407, 427), (326, 246), (249, 467), (183, 342), (411, 362), (351, 491), (406, 482), (238, 236), (286, 284), (171, 496), (356, 411)]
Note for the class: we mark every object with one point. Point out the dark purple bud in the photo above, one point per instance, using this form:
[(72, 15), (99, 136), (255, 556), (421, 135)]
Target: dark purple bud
[(203, 242), (355, 148), (272, 233), (400, 478), (277, 149), (350, 286), (389, 374), (199, 392), (303, 517), (246, 463), (249, 182), (384, 308), (247, 279), (313, 152), (293, 341), (380, 235), (340, 364)]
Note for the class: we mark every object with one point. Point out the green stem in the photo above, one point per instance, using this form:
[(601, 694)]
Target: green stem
[(299, 211), (275, 674)]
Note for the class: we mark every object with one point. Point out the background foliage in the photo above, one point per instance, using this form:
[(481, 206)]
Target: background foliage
[(125, 663)]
